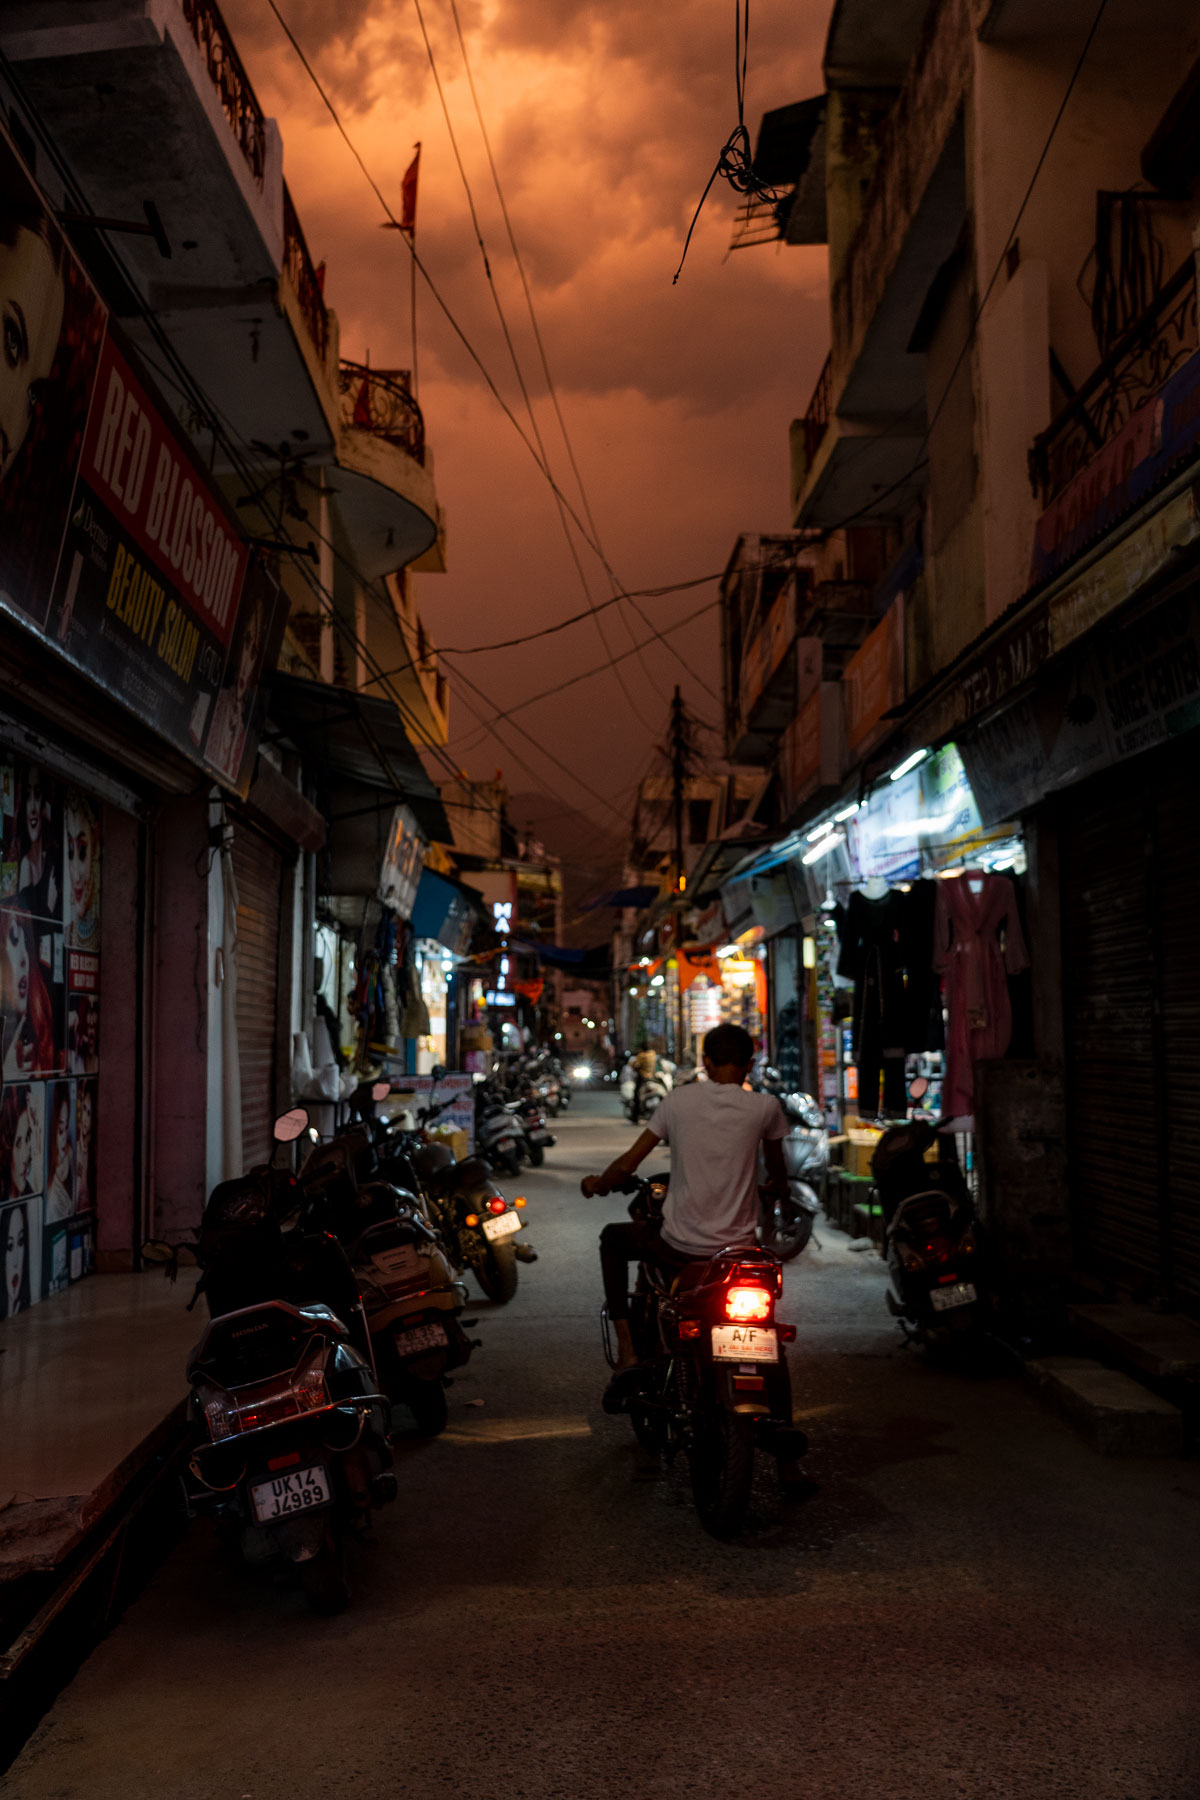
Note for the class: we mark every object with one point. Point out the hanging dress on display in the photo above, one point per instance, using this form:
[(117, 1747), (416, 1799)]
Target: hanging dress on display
[(977, 946), (886, 949)]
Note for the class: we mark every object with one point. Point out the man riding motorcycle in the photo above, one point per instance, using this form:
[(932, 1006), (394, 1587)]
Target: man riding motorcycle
[(643, 1065), (714, 1129)]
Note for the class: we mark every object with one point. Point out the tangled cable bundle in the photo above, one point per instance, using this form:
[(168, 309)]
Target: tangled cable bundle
[(735, 164)]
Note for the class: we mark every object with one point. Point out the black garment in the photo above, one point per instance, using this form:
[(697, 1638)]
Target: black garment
[(887, 951), (634, 1240), (787, 1048)]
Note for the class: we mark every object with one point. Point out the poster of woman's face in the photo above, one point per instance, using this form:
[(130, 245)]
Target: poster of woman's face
[(60, 1151), (52, 324), (22, 1140), (83, 1034), (55, 1261), (85, 1146), (32, 995), (20, 1255), (38, 843), (81, 828)]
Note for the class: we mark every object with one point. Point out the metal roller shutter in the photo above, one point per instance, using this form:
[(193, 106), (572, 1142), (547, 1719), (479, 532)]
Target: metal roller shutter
[(1131, 994), (258, 871), (1108, 967)]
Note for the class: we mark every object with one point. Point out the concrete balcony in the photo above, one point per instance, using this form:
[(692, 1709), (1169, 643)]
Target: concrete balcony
[(384, 487)]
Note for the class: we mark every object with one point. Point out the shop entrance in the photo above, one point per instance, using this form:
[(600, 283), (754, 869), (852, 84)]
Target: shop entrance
[(1131, 996)]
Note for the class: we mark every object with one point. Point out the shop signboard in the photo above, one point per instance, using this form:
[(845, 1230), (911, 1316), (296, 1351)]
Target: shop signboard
[(116, 549), (811, 753), (401, 863), (873, 681), (1122, 474), (50, 868), (766, 651), (459, 1090), (1133, 685)]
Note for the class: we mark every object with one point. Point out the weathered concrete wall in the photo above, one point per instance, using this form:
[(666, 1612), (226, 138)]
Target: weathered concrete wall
[(912, 144)]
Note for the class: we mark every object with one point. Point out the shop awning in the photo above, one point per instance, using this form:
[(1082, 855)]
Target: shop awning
[(621, 897), (361, 739), (446, 911)]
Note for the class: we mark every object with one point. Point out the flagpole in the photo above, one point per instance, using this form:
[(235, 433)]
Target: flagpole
[(412, 269)]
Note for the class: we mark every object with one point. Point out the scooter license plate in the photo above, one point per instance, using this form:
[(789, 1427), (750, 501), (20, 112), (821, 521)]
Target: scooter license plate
[(500, 1225), (421, 1337), (296, 1492), (745, 1343), (961, 1294)]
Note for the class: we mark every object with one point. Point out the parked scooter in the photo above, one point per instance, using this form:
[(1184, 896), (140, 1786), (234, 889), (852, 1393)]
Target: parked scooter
[(291, 1452), (787, 1225), (500, 1133), (712, 1378), (533, 1121), (411, 1299), (931, 1240)]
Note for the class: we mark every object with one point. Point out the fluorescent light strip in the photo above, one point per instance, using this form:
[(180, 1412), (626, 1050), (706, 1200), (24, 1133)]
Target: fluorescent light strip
[(910, 762)]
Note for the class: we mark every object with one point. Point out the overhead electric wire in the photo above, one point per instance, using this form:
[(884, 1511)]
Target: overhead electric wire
[(518, 259), (444, 307), (508, 338)]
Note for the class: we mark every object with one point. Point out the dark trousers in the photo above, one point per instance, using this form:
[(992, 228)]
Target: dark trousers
[(633, 1240)]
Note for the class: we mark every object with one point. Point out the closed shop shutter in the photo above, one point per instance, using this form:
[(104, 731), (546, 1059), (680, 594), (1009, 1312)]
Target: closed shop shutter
[(1131, 993), (258, 871), (1178, 888)]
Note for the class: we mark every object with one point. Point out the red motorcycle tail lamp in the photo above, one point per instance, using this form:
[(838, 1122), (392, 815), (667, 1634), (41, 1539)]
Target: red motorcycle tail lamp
[(497, 1205), (748, 1305), (936, 1250)]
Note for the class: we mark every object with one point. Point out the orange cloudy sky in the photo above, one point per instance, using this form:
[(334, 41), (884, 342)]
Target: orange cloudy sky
[(605, 117)]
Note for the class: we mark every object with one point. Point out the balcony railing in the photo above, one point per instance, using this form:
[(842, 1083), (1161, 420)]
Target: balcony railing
[(237, 97), (820, 411), (382, 403), (299, 265), (1145, 355)]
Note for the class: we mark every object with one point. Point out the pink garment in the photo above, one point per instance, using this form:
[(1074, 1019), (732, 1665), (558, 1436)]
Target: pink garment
[(972, 910)]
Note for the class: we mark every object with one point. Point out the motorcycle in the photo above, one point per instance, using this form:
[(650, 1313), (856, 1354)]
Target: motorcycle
[(474, 1222), (931, 1238), (640, 1107), (291, 1453), (787, 1225), (500, 1133), (712, 1379), (410, 1297), (533, 1122)]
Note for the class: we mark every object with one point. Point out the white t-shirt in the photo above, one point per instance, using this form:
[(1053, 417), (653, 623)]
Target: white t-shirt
[(714, 1130)]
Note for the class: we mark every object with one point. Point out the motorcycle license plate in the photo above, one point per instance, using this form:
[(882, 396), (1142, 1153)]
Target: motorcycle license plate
[(296, 1492), (961, 1294), (500, 1225), (745, 1343), (421, 1337)]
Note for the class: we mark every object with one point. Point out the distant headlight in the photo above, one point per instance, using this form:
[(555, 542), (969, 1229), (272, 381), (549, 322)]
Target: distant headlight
[(581, 1072)]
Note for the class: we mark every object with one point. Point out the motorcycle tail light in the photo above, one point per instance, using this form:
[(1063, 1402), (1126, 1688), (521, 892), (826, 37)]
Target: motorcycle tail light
[(748, 1305), (689, 1328), (497, 1205), (520, 1200), (936, 1249)]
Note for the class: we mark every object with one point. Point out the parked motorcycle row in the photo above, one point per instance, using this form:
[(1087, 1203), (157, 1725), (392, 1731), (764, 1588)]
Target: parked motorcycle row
[(336, 1295)]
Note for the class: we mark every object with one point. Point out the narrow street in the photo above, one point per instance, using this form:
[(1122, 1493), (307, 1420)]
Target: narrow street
[(971, 1604)]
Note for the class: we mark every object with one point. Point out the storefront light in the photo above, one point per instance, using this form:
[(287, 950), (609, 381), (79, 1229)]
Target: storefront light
[(633, 991), (847, 812), (824, 847), (657, 980), (819, 831), (728, 950), (910, 762)]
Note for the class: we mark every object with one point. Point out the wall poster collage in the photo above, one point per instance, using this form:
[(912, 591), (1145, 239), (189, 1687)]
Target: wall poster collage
[(50, 863)]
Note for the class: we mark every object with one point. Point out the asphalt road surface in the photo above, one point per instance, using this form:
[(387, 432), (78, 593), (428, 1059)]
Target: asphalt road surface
[(970, 1604)]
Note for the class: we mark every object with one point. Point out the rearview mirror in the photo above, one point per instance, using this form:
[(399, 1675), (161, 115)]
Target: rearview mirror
[(291, 1125), (155, 1251), (437, 1071), (918, 1087), (381, 1090)]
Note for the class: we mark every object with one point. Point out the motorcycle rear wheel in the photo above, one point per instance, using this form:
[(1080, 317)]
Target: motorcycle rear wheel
[(721, 1462), (786, 1228), (323, 1576), (426, 1401), (497, 1273)]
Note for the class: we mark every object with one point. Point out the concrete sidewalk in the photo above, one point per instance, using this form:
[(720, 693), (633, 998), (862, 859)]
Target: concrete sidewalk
[(91, 1387)]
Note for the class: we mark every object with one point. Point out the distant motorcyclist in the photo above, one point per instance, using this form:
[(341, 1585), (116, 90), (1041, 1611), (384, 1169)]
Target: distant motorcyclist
[(714, 1129), (643, 1065)]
